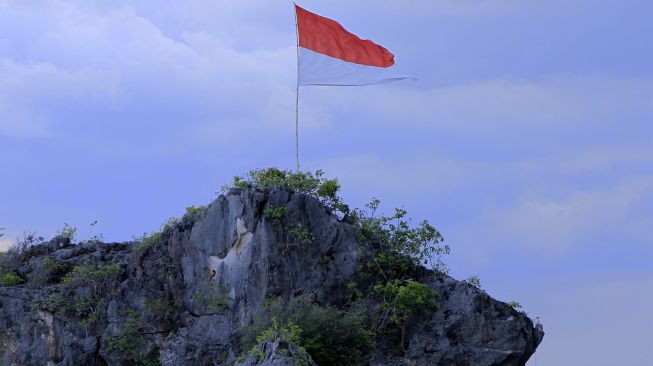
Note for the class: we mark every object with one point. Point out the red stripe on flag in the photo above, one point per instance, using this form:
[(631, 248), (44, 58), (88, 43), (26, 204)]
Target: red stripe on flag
[(327, 37)]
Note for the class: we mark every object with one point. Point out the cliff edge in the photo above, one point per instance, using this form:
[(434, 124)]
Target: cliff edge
[(204, 292)]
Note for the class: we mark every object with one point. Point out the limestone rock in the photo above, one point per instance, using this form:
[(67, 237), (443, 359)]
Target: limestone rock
[(184, 300)]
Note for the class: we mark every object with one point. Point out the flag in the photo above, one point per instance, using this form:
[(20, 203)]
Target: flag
[(330, 55)]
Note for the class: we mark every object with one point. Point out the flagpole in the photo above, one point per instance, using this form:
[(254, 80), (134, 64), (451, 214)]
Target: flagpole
[(297, 126), (297, 93)]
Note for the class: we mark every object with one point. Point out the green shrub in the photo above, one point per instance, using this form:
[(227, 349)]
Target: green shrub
[(289, 333), (329, 189), (329, 335), (474, 280), (130, 331), (50, 270), (395, 234), (210, 295), (514, 305), (355, 293), (67, 301), (288, 338), (271, 177), (275, 214), (403, 299), (169, 225), (68, 231), (129, 340), (147, 241), (110, 343), (88, 310), (9, 279), (312, 184), (298, 235), (52, 267), (193, 211), (388, 266), (237, 182), (93, 276), (161, 311), (53, 303)]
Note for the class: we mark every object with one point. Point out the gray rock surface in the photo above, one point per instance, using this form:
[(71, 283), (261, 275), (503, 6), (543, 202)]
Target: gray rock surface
[(468, 329), (211, 274)]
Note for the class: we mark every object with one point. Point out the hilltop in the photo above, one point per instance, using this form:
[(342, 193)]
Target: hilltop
[(275, 271)]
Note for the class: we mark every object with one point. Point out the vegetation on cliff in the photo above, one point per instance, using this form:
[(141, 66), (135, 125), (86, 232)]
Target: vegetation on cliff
[(368, 284), (385, 294), (387, 291)]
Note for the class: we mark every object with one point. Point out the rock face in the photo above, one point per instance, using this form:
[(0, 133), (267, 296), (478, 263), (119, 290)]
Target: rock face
[(184, 299), (468, 329)]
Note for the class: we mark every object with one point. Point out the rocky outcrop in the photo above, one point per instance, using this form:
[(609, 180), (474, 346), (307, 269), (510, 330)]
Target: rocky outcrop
[(183, 298), (469, 328)]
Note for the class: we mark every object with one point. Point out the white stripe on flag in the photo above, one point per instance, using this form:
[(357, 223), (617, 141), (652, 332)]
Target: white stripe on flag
[(318, 69)]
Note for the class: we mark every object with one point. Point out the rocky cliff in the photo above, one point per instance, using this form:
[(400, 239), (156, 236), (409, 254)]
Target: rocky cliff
[(188, 295)]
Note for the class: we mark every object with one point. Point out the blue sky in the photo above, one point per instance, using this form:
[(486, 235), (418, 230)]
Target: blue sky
[(527, 140)]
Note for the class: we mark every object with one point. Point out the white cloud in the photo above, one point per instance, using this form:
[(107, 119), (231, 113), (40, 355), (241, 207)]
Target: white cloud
[(207, 66), (5, 244), (421, 170), (438, 171), (110, 62), (465, 8), (567, 103), (28, 90), (556, 224), (590, 159)]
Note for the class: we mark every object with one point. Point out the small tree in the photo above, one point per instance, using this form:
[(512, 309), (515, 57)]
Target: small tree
[(474, 280), (403, 299), (9, 279), (68, 231), (28, 240), (514, 305), (398, 246)]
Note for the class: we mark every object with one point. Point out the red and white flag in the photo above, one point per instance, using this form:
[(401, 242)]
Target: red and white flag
[(330, 55)]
